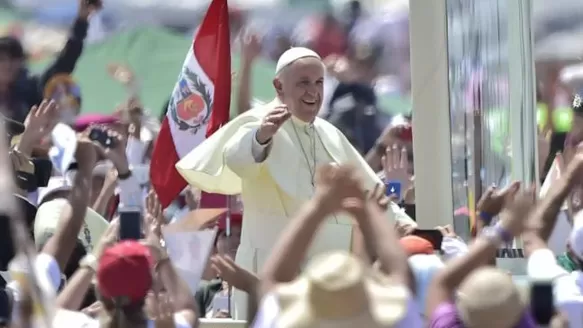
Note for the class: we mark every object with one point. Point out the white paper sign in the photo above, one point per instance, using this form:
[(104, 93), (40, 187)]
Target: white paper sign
[(189, 252), (64, 147)]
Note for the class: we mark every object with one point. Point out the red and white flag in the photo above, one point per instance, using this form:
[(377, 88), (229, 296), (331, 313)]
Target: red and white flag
[(199, 104)]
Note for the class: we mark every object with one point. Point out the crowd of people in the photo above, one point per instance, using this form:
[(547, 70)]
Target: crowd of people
[(321, 233)]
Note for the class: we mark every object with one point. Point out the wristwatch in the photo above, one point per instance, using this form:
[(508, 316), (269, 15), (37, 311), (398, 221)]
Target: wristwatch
[(498, 234), (89, 261)]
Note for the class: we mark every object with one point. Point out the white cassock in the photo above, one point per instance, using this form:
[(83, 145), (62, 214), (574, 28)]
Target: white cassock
[(275, 181)]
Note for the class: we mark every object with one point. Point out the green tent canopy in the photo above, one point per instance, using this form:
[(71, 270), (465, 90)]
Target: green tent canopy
[(156, 56)]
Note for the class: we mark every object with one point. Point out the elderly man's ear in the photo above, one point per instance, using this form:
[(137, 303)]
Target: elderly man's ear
[(278, 87)]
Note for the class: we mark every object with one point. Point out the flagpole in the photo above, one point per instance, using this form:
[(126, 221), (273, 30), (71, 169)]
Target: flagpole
[(228, 232)]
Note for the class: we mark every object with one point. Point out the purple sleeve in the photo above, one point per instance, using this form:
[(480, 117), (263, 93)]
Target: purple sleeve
[(445, 316)]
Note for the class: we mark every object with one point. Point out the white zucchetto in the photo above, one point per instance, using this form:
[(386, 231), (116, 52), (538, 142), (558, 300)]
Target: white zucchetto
[(293, 54)]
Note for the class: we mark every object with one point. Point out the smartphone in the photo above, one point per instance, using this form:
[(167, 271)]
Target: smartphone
[(101, 136), (130, 225), (393, 188), (541, 302), (43, 169), (434, 236)]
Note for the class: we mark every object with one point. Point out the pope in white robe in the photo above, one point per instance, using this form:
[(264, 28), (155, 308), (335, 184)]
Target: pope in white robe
[(275, 176)]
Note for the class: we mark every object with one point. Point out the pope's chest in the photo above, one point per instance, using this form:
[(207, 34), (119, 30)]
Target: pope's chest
[(310, 152)]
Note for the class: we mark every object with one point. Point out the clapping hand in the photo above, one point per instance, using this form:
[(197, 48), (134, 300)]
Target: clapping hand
[(494, 199), (339, 188), (271, 123), (154, 218), (517, 211)]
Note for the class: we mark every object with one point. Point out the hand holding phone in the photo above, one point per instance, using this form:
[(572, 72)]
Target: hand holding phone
[(130, 225), (102, 136), (434, 236)]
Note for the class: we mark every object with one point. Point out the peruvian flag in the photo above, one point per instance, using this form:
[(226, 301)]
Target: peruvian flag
[(199, 104)]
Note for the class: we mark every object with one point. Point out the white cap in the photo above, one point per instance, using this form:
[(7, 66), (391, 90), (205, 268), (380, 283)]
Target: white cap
[(56, 184), (293, 54)]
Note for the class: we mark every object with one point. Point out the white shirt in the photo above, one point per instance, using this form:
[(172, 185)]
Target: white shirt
[(567, 287)]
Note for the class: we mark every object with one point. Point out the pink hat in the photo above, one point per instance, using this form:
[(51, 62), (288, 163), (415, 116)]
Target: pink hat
[(84, 121)]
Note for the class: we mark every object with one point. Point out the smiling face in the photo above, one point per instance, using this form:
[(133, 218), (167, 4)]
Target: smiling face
[(300, 86)]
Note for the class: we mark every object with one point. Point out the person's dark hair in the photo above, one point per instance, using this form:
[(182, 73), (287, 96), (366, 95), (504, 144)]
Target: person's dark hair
[(355, 7), (122, 316), (12, 47)]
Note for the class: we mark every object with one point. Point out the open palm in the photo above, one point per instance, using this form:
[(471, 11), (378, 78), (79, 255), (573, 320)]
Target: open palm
[(396, 166)]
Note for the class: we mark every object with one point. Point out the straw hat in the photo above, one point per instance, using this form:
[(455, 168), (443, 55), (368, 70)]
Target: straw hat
[(488, 297), (337, 290)]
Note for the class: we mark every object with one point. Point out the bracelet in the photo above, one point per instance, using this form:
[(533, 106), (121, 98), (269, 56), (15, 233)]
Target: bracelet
[(498, 234), (485, 217), (506, 236), (124, 176)]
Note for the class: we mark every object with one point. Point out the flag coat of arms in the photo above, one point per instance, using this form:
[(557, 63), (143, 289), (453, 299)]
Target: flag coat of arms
[(199, 104)]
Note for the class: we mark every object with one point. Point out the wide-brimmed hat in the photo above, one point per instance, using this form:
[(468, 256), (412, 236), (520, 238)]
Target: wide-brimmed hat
[(49, 215), (488, 297), (337, 289)]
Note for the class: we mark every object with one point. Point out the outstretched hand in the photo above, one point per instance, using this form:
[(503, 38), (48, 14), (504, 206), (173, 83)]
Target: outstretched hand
[(39, 124)]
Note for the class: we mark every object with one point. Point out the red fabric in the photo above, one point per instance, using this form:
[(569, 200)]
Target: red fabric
[(112, 208), (214, 33), (212, 50), (166, 180), (125, 271), (416, 245), (236, 219)]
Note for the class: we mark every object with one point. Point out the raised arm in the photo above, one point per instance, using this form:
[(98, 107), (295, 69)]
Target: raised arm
[(333, 185), (541, 225), (512, 219), (69, 55)]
